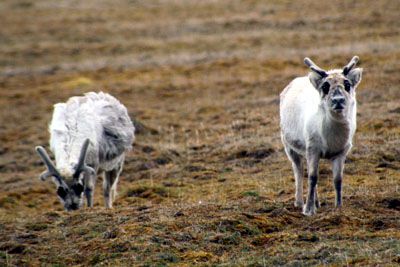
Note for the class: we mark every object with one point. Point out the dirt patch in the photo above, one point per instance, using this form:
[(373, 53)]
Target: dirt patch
[(391, 203), (255, 154)]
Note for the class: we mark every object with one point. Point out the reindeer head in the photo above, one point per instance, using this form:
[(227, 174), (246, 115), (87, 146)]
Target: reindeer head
[(69, 189), (336, 87)]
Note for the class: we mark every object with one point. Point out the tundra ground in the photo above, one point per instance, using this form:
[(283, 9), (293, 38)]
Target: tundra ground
[(207, 181)]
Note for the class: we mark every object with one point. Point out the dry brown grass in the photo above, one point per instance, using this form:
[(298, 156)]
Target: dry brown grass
[(207, 182)]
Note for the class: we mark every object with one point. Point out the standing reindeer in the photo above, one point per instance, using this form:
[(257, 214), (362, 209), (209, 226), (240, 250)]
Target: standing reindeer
[(89, 135), (318, 121)]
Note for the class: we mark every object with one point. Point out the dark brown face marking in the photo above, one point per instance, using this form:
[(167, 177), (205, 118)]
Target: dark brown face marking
[(78, 188), (62, 192), (325, 88), (347, 85)]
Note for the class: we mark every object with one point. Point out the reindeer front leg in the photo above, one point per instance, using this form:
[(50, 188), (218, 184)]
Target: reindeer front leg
[(337, 169), (90, 183), (312, 158)]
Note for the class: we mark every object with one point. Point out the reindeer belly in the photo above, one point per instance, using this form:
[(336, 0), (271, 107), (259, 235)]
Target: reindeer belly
[(331, 154)]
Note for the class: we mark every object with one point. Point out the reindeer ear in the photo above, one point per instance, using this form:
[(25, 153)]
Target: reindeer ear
[(315, 79), (355, 76), (317, 75)]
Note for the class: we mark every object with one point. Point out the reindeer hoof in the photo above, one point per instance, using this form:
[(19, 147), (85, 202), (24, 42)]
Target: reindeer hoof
[(309, 211), (298, 204)]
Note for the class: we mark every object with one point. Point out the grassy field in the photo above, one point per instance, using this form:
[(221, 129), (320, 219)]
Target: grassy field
[(207, 182)]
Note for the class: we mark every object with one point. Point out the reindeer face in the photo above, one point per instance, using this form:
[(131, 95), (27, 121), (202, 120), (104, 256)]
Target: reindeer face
[(337, 94), (71, 195), (69, 189), (336, 87)]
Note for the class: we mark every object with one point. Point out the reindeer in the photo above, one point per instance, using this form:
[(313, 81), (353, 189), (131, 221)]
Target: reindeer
[(318, 121), (89, 135)]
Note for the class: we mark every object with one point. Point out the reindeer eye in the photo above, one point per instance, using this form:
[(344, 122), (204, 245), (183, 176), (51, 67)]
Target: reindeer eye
[(347, 86), (62, 192), (325, 87), (78, 188)]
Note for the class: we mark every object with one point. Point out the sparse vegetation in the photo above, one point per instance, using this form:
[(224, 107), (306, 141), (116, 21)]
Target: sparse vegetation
[(207, 182)]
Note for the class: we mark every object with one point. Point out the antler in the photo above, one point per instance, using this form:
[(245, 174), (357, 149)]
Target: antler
[(351, 65), (51, 169), (314, 67), (81, 166)]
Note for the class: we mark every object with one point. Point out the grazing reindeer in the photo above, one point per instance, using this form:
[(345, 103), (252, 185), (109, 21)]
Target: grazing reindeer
[(89, 135), (318, 120)]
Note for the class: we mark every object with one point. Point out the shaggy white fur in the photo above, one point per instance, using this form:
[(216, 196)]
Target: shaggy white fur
[(104, 122)]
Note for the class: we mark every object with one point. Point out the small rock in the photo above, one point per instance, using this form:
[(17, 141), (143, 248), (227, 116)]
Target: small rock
[(179, 214)]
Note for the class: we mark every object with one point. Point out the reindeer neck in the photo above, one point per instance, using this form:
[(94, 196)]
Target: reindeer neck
[(336, 132)]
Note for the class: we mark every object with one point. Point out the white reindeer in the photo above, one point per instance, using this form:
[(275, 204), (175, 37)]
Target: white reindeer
[(89, 135), (318, 120)]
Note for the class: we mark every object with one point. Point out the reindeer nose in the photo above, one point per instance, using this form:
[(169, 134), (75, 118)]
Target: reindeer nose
[(338, 102), (338, 98)]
